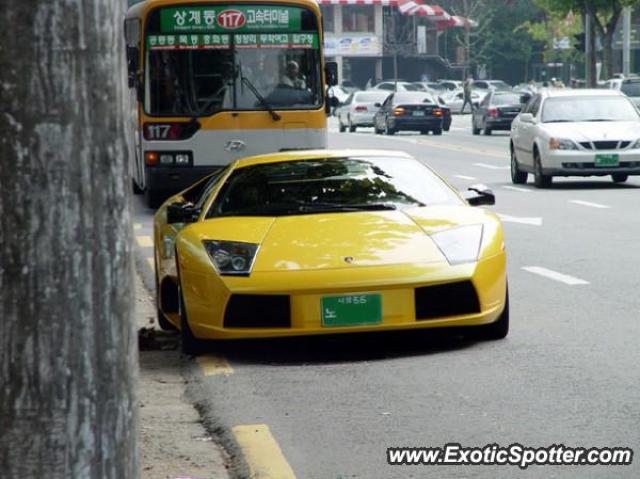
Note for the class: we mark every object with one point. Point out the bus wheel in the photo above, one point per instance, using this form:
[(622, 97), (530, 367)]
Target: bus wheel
[(153, 198), (136, 189)]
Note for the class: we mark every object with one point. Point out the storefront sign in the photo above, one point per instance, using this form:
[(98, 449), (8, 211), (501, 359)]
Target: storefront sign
[(352, 46)]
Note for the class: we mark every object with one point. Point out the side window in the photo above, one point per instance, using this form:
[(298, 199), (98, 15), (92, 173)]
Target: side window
[(535, 106), (388, 101), (387, 86)]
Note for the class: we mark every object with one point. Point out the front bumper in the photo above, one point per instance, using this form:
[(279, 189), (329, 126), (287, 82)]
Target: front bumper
[(171, 180), (582, 163), (207, 296)]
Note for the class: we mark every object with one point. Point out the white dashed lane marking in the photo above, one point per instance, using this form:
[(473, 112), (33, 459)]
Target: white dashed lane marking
[(555, 276), (464, 177), (589, 204), (491, 167), (517, 188)]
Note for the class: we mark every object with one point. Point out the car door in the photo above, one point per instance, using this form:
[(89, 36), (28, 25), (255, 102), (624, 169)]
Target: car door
[(384, 111), (525, 133), (345, 110), (480, 113)]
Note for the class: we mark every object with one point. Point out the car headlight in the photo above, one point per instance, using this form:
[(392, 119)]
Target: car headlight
[(562, 144), (231, 257), (459, 245)]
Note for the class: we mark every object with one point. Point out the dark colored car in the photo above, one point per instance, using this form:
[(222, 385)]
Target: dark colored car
[(409, 111), (496, 112)]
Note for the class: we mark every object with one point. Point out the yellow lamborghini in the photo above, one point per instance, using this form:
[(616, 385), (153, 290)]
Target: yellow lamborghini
[(325, 242)]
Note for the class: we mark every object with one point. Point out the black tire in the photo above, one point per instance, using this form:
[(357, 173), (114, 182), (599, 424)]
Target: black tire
[(437, 131), (352, 127), (341, 127), (540, 179), (474, 130), (518, 177), (136, 189), (619, 177), (487, 131), (189, 344), (498, 329), (387, 130), (163, 322)]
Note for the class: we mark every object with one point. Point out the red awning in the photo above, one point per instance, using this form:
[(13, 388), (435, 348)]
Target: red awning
[(434, 13)]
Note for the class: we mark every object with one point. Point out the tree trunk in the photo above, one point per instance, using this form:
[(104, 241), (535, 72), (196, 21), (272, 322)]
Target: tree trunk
[(67, 345)]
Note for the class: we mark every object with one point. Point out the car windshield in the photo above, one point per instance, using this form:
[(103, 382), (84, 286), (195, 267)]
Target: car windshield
[(330, 185), (412, 98), (505, 99), (631, 88), (588, 108), (371, 97), (196, 67)]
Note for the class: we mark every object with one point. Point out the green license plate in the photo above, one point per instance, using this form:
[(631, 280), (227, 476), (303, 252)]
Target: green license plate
[(608, 160), (351, 310)]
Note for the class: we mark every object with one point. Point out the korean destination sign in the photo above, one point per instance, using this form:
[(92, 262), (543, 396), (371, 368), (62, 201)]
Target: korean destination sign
[(238, 18), (195, 41)]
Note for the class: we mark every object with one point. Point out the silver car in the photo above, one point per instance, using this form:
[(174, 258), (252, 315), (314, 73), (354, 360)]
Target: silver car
[(359, 109), (575, 133)]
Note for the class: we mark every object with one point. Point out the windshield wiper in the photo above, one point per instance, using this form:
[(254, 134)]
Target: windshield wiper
[(599, 119), (265, 104), (321, 207)]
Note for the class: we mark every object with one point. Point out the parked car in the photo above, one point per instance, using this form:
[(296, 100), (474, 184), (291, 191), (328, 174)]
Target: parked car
[(326, 242), (451, 85), (454, 100), (491, 85), (409, 111), (631, 88), (495, 112), (391, 85), (339, 92), (576, 133), (360, 109)]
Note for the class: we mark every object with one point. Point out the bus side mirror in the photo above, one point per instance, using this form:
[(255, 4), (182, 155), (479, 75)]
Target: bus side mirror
[(331, 73)]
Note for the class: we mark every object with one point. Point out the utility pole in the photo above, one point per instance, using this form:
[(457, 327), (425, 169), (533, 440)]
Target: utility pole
[(589, 41), (626, 41)]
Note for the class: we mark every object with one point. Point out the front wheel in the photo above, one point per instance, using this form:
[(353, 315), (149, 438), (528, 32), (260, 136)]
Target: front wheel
[(189, 344), (487, 131), (498, 329), (341, 127), (539, 178), (517, 177), (352, 127), (619, 177)]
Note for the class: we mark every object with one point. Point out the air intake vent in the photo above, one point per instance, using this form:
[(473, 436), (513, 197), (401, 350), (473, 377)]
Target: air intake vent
[(444, 300), (258, 311), (606, 145)]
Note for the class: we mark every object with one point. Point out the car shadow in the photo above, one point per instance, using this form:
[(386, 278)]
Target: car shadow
[(343, 348), (590, 185)]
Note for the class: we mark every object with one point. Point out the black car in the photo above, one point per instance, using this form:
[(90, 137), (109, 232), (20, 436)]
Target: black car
[(410, 111), (496, 112)]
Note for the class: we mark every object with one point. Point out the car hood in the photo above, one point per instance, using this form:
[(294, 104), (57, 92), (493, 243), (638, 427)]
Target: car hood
[(595, 131), (344, 240)]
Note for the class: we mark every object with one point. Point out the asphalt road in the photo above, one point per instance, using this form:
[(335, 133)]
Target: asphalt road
[(568, 373)]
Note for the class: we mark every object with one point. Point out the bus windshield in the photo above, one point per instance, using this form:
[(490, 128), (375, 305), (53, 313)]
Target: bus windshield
[(250, 65)]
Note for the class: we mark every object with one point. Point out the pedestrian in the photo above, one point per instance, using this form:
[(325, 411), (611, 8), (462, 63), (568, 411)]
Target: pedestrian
[(468, 83)]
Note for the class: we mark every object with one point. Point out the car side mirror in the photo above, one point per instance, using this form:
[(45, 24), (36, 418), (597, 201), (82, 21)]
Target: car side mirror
[(331, 73), (180, 212), (377, 104), (479, 195), (527, 118)]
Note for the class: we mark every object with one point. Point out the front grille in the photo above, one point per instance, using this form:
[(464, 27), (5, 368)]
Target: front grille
[(605, 145), (444, 300), (258, 311)]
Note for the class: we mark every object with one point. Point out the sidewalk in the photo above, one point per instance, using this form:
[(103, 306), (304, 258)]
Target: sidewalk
[(172, 441)]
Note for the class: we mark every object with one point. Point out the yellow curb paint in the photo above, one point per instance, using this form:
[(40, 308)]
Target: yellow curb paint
[(137, 226), (214, 366), (144, 241), (151, 264), (262, 453)]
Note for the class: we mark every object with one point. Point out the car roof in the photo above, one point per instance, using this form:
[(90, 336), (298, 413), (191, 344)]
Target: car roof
[(285, 156), (561, 92)]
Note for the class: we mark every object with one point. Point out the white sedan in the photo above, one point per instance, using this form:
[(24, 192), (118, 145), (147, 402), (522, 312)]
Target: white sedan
[(575, 133), (360, 108)]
